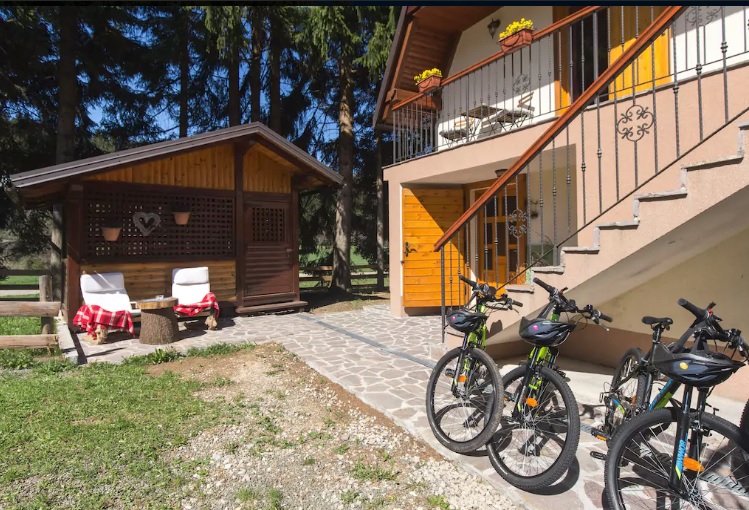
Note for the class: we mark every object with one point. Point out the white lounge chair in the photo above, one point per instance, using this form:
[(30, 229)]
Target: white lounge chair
[(107, 290), (190, 285)]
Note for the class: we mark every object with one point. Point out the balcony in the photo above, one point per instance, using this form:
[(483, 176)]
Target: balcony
[(536, 82)]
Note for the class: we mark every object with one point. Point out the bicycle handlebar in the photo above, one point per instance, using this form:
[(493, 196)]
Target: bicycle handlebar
[(569, 305), (466, 280), (700, 313)]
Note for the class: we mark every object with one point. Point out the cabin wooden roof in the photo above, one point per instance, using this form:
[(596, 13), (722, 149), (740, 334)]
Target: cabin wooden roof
[(425, 37), (46, 185)]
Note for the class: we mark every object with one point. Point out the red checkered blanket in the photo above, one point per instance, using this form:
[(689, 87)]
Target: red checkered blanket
[(208, 302), (91, 316)]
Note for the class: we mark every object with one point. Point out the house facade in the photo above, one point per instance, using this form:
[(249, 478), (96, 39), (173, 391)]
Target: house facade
[(604, 154)]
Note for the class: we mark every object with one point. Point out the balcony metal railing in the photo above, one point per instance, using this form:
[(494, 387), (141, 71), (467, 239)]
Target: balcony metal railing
[(539, 81), (637, 118)]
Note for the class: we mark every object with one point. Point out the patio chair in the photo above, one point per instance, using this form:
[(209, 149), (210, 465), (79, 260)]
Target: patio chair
[(461, 129), (107, 291), (192, 288)]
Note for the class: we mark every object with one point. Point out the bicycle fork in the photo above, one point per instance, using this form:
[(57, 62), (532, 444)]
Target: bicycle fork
[(687, 454)]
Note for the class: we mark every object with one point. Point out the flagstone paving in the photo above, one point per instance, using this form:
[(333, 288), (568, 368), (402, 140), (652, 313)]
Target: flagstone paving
[(384, 361)]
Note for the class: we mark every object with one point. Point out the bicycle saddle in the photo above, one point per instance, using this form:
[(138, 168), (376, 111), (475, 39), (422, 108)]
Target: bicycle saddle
[(662, 321)]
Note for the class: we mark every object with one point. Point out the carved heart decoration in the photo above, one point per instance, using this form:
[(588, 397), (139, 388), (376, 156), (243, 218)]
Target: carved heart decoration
[(146, 222)]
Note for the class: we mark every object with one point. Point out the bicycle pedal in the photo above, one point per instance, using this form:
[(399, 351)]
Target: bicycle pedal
[(598, 455), (599, 434)]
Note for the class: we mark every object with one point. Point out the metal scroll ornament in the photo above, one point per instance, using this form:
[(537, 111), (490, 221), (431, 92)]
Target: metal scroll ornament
[(517, 223), (521, 84), (694, 14), (635, 123)]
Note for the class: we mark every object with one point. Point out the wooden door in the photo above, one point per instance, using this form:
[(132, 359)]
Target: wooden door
[(270, 253), (427, 214), (501, 249)]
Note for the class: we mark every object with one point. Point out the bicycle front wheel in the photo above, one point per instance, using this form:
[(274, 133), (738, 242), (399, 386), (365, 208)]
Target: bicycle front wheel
[(640, 459), (464, 399), (539, 431), (745, 419), (625, 400)]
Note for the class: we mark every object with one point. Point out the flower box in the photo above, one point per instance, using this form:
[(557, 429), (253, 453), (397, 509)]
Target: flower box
[(517, 40), (429, 84)]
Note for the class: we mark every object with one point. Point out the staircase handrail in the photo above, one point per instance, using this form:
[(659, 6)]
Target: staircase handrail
[(643, 41)]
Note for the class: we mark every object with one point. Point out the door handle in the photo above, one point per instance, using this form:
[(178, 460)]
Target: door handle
[(407, 249)]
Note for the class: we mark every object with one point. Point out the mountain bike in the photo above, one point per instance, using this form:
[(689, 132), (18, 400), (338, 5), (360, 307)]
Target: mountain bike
[(464, 393), (632, 384), (681, 456), (540, 427)]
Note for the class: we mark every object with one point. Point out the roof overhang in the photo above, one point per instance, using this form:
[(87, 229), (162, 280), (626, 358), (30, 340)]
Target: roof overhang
[(425, 37), (47, 185)]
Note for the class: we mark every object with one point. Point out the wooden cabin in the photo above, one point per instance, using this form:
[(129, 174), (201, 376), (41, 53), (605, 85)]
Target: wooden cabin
[(241, 186)]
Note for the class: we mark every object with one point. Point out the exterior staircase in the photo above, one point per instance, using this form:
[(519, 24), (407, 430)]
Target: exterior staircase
[(695, 203)]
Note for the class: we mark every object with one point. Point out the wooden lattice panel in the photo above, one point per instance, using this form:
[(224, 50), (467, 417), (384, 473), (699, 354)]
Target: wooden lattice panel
[(268, 224), (208, 234)]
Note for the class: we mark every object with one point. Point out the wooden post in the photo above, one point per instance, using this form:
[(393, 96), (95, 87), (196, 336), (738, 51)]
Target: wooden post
[(44, 295), (74, 245), (240, 149)]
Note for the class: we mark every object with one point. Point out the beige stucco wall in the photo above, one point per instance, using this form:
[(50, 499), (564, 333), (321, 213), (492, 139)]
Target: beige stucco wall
[(719, 274)]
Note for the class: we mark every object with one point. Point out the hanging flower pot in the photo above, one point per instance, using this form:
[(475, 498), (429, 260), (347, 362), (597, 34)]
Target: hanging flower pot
[(516, 35), (110, 229), (429, 80), (181, 213)]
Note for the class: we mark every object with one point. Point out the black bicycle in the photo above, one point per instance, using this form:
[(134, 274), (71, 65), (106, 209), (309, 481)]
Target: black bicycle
[(464, 394), (540, 428), (632, 384), (681, 456)]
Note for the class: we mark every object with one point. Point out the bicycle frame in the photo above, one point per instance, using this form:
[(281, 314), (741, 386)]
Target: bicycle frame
[(539, 356)]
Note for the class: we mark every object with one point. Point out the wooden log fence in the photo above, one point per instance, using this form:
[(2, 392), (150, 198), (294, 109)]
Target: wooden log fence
[(45, 309), (324, 274)]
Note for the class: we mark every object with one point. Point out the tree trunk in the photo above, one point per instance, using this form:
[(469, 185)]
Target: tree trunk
[(344, 205), (274, 62), (380, 215), (67, 81), (184, 70), (255, 63), (234, 111)]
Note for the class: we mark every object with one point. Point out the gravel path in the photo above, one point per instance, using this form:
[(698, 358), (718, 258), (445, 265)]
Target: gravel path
[(304, 442)]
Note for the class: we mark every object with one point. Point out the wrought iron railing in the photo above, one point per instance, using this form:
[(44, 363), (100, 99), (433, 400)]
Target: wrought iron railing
[(533, 83), (665, 93)]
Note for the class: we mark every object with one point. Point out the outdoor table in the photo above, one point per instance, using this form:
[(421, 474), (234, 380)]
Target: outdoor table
[(158, 323)]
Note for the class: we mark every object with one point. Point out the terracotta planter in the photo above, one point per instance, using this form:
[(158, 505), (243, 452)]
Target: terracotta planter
[(110, 233), (517, 40), (429, 84), (182, 217)]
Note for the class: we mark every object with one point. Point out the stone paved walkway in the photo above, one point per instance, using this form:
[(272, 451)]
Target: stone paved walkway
[(384, 361)]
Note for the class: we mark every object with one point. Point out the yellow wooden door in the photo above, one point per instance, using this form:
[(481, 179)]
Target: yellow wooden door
[(427, 214), (654, 60)]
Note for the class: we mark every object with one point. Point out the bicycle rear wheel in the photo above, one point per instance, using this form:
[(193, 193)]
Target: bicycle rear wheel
[(624, 402), (639, 463), (539, 431), (464, 415)]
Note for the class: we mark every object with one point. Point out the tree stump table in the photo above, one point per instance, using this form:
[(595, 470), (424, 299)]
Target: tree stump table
[(158, 324)]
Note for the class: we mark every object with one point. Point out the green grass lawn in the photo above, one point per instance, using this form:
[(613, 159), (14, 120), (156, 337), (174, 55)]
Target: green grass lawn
[(20, 325), (96, 436), (19, 280)]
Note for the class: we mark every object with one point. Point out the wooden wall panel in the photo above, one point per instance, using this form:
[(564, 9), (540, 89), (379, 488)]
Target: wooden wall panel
[(150, 279), (211, 168), (265, 173)]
